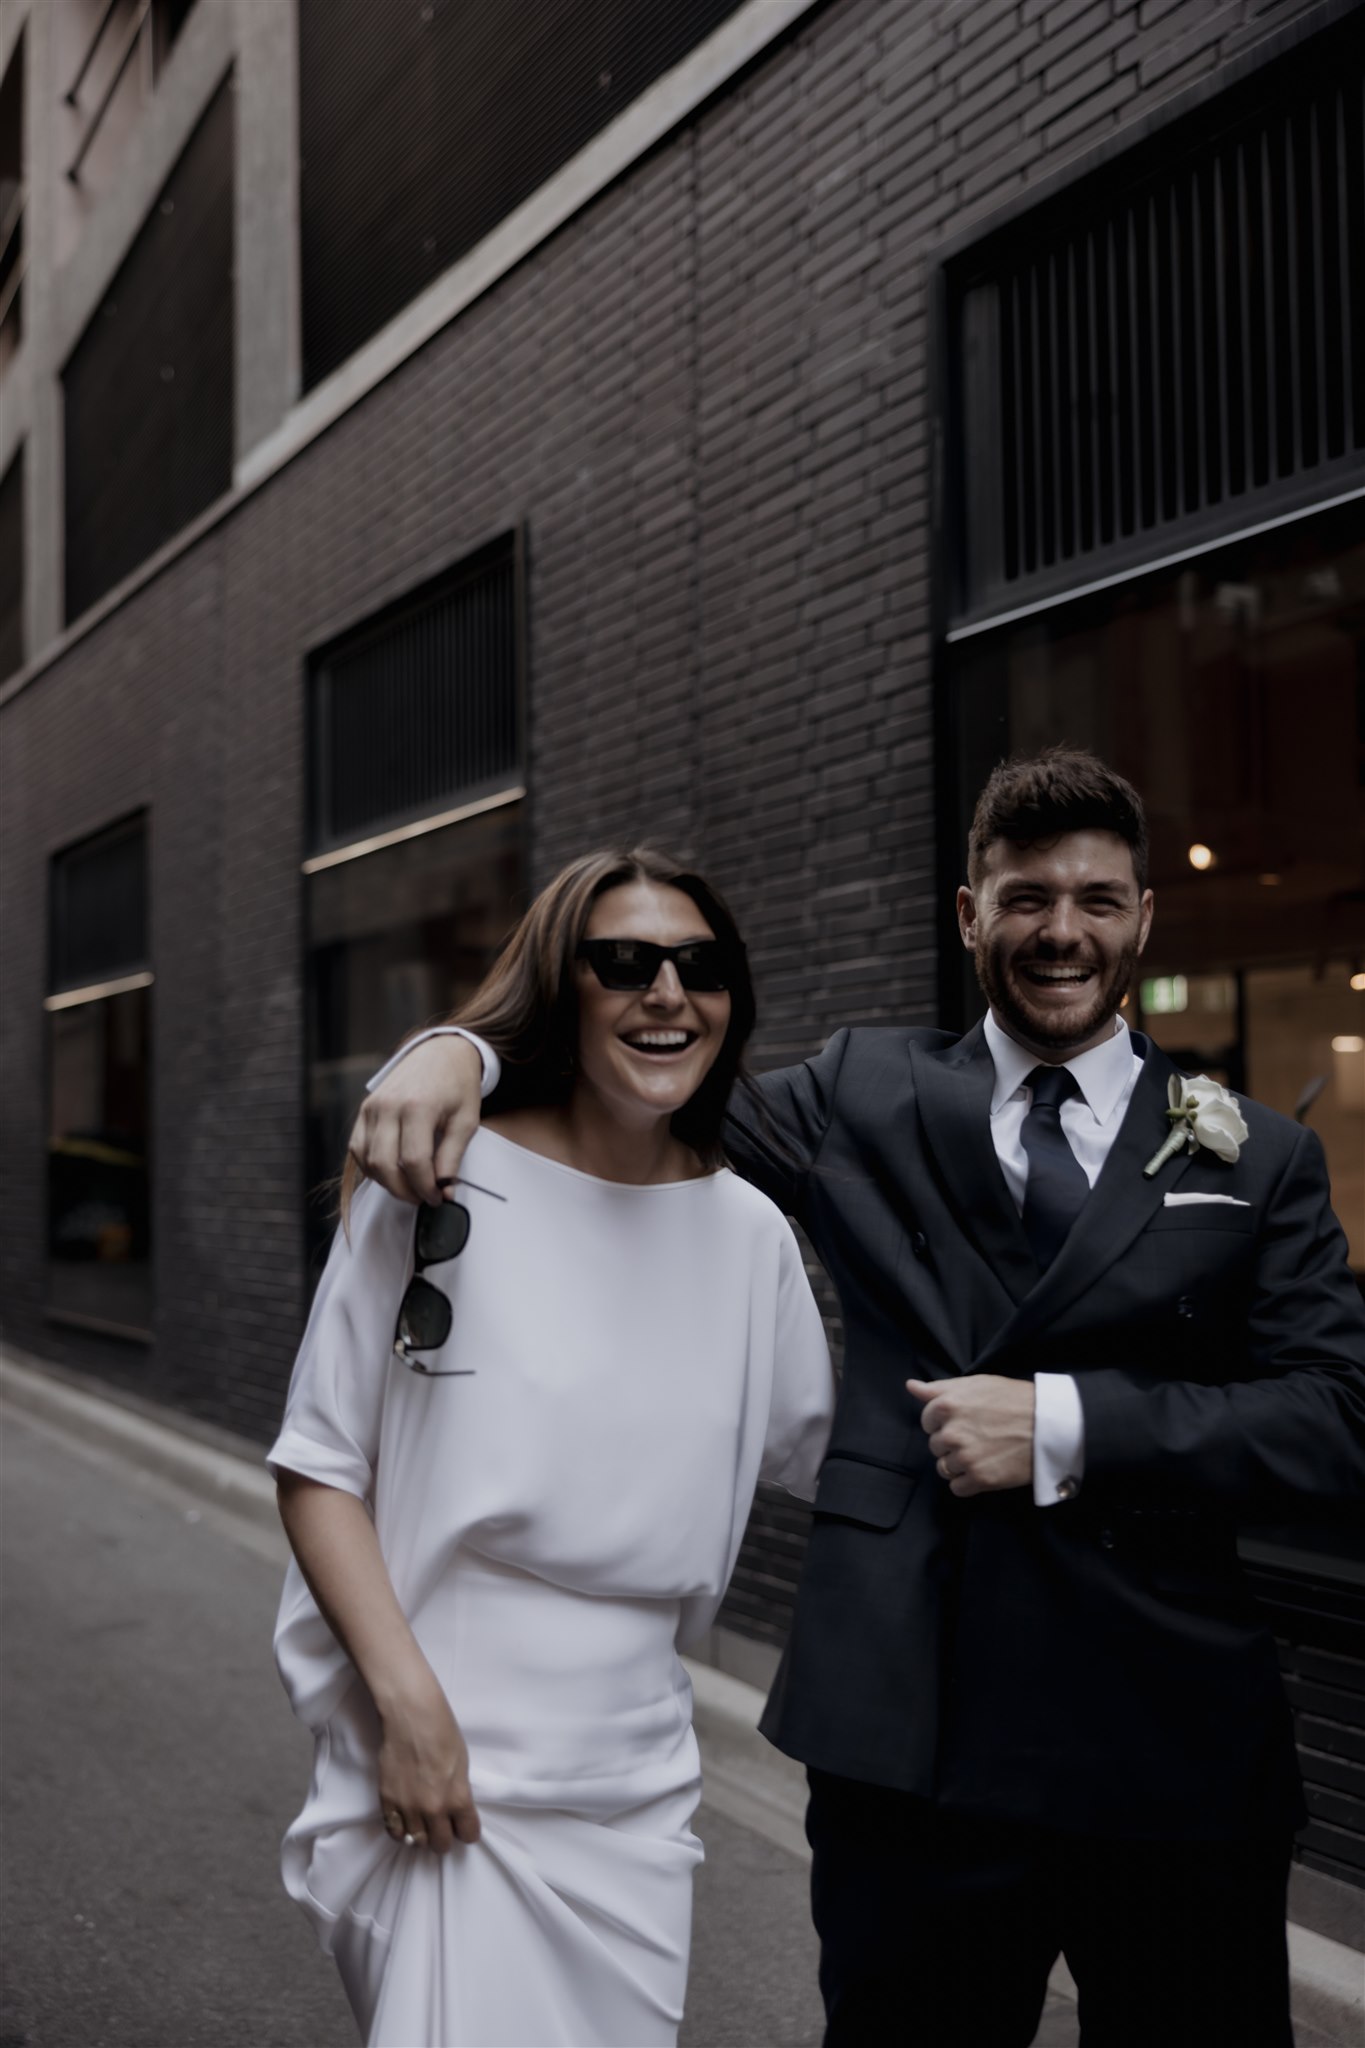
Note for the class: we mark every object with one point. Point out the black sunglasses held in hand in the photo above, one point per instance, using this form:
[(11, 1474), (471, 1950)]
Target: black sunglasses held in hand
[(704, 966), (424, 1312)]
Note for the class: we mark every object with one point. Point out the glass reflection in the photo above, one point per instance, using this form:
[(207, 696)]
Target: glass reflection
[(99, 1250)]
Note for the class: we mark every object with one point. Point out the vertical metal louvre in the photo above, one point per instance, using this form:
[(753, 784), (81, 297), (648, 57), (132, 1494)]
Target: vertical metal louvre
[(1187, 346), (419, 711)]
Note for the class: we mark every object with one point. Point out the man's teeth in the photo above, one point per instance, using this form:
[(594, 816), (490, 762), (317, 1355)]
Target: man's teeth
[(1060, 974)]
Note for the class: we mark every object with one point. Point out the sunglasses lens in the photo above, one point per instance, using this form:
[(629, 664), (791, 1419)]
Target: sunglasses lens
[(623, 963), (424, 1317), (703, 968), (441, 1233)]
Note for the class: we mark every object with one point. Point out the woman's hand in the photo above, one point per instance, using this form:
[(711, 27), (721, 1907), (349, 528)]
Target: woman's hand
[(424, 1772), (423, 1762)]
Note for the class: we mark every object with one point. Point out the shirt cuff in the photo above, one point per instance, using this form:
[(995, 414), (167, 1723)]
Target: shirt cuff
[(492, 1065), (1058, 1439)]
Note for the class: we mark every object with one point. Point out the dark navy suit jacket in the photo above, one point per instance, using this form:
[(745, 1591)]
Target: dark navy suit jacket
[(1099, 1665)]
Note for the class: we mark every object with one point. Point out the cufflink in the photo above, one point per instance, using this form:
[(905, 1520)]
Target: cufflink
[(1066, 1489)]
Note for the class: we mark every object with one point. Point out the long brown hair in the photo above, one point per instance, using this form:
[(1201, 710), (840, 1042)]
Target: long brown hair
[(527, 1005)]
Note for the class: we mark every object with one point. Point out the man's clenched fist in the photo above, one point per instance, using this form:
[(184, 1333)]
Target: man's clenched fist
[(980, 1430)]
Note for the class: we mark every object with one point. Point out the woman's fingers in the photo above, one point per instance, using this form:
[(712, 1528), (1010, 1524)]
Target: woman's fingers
[(413, 1128), (465, 1817), (430, 1821), (440, 1836), (374, 1146)]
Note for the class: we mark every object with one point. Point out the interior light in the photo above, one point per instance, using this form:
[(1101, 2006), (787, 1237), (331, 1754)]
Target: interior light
[(1270, 881), (1201, 856), (1348, 1043), (1166, 995), (1358, 981)]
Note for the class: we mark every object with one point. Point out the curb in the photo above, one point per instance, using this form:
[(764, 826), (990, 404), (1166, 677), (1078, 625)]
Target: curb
[(234, 1480), (748, 1779)]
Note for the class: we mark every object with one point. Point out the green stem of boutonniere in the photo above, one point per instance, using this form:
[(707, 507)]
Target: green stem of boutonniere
[(1179, 1136)]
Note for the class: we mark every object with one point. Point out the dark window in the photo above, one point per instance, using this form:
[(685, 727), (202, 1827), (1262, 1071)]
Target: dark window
[(418, 711), (396, 938), (12, 567), (13, 195), (424, 122), (99, 1066), (148, 389), (1173, 345), (99, 908)]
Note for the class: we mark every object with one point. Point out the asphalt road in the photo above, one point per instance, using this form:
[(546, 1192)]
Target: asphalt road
[(151, 1764), (150, 1767)]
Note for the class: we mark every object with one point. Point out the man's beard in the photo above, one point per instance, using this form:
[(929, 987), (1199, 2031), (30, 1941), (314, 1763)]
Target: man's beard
[(1035, 1027)]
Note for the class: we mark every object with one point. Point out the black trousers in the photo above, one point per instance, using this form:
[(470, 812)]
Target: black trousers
[(938, 1930)]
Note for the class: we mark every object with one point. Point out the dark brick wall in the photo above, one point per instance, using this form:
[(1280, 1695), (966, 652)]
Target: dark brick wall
[(707, 400)]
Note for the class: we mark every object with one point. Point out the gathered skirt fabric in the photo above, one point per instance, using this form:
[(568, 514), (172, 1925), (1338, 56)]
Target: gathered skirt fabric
[(567, 1925)]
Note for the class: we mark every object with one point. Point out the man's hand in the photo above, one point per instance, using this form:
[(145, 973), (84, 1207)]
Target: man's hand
[(412, 1131), (980, 1430)]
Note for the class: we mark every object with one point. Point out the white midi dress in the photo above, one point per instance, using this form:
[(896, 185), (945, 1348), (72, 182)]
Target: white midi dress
[(556, 1522)]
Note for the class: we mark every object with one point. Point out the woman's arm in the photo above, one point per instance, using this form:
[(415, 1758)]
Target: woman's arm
[(423, 1762)]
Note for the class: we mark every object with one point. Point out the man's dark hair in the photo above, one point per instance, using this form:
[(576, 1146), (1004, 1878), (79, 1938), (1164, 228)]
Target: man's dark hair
[(1041, 796)]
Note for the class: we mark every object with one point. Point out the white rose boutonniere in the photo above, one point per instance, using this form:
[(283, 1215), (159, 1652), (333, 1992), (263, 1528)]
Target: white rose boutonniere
[(1202, 1112)]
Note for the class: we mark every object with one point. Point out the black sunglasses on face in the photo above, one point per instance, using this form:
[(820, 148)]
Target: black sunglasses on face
[(704, 966), (424, 1312)]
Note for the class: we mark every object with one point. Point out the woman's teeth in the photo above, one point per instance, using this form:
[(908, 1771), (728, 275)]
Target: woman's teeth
[(659, 1041)]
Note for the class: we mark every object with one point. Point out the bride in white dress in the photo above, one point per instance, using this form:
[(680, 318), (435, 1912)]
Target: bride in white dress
[(509, 1516)]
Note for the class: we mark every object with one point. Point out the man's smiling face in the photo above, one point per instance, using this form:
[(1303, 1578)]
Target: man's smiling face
[(1056, 928)]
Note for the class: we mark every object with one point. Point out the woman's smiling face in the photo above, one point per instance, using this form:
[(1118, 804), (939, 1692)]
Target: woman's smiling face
[(644, 1054)]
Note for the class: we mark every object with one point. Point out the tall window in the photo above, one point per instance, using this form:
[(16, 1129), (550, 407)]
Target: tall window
[(99, 1064), (423, 125), (148, 389), (415, 871)]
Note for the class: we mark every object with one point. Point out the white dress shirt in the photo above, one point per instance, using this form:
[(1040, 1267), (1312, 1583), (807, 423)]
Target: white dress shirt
[(1106, 1077)]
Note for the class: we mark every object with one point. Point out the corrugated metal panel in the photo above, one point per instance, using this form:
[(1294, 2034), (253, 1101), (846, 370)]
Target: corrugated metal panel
[(424, 122), (1320, 1631), (149, 386), (12, 567), (419, 710), (99, 907), (1180, 344)]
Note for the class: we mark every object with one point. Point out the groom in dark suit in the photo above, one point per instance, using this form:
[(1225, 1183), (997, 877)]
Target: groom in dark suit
[(1039, 1710)]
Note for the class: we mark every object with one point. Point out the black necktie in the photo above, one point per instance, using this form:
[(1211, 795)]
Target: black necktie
[(1057, 1185)]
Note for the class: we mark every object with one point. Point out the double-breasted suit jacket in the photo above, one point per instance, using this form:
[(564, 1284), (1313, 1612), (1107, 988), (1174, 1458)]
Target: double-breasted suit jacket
[(1098, 1665)]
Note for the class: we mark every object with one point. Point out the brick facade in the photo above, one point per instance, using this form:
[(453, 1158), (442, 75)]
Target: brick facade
[(707, 402)]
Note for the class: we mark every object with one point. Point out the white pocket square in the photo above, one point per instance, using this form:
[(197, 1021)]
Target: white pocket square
[(1181, 1201)]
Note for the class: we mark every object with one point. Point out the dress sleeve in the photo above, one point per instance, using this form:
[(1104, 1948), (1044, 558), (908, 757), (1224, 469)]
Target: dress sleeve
[(331, 1420), (802, 1406)]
